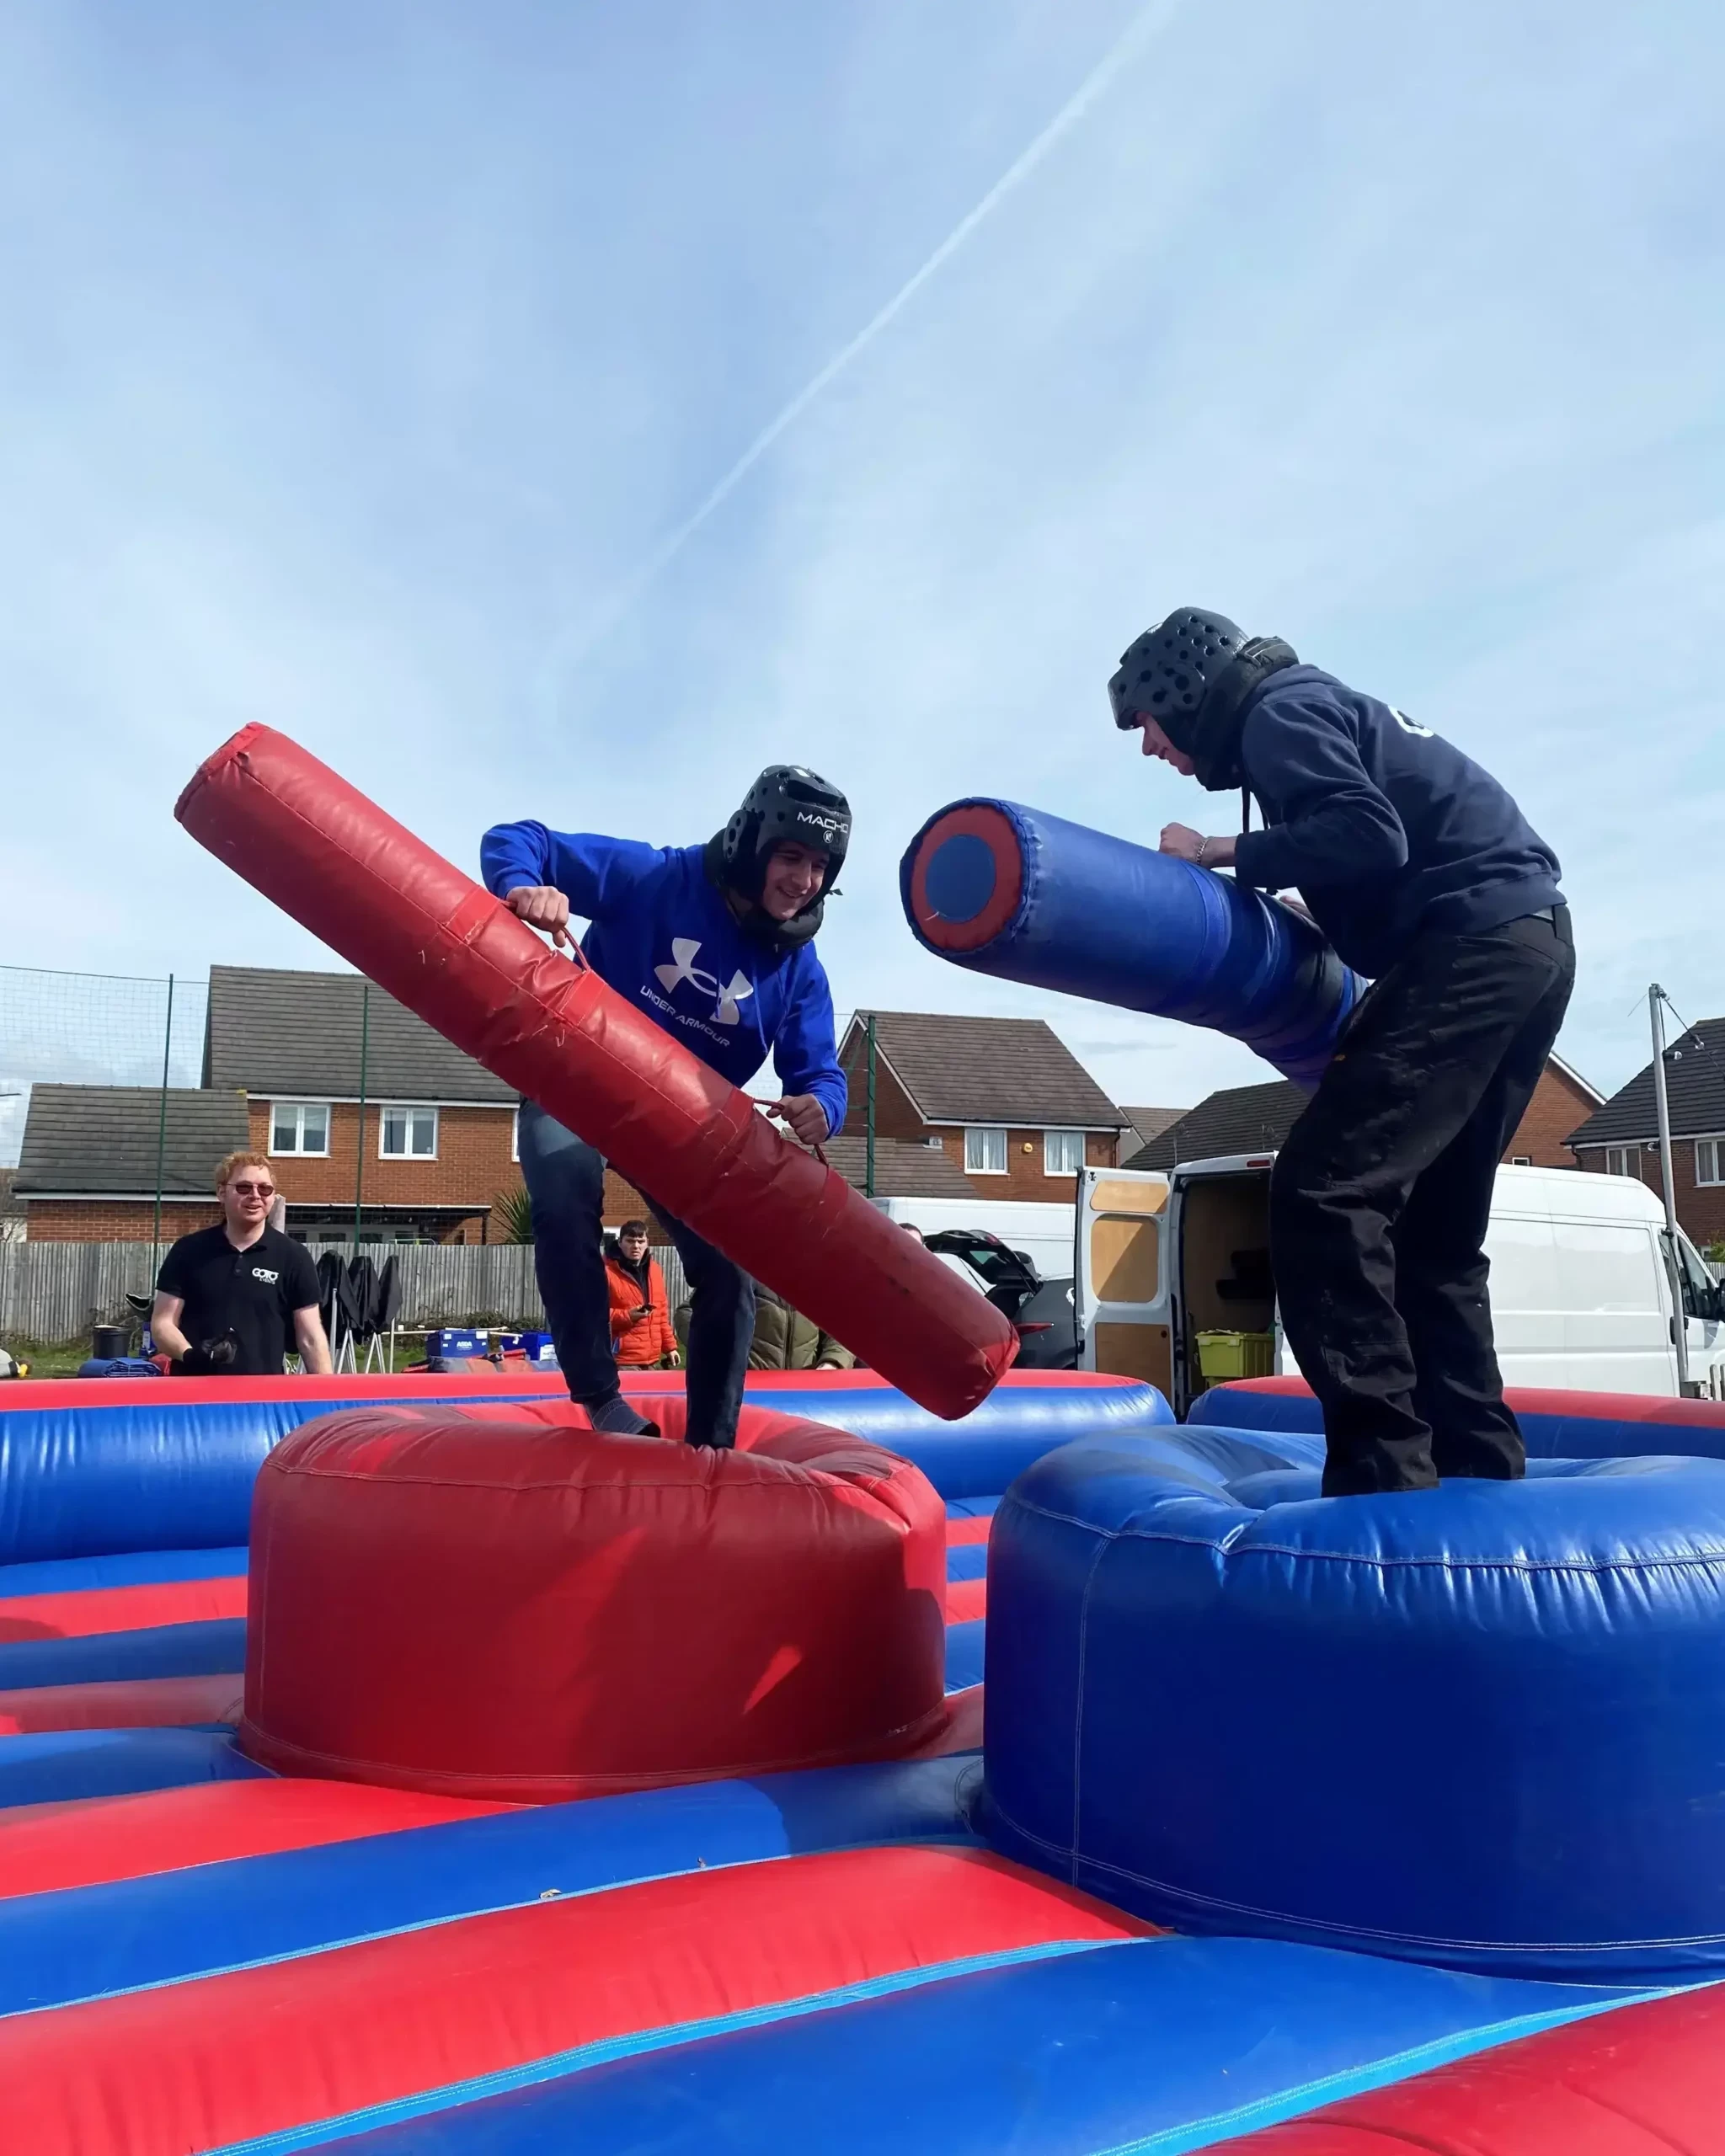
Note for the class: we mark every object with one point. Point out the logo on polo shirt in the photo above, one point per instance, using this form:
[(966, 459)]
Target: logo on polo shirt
[(263, 1273)]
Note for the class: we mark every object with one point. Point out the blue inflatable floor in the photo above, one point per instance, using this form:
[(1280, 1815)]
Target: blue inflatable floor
[(1158, 2045)]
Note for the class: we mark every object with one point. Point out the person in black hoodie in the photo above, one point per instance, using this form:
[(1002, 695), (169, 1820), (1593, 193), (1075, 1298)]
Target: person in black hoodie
[(1426, 877)]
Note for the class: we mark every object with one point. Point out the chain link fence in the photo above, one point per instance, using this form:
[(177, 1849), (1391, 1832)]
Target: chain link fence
[(100, 1080), (117, 1045)]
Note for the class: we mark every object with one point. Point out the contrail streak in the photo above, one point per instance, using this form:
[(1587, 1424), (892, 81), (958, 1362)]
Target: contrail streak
[(1145, 25)]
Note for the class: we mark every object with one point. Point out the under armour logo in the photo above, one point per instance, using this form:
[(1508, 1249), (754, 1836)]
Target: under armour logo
[(1411, 725), (683, 951)]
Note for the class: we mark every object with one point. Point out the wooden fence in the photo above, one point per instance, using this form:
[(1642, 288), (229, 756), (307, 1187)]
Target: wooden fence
[(53, 1291)]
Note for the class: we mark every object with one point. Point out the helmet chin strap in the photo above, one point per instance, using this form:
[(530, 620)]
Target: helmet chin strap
[(756, 923)]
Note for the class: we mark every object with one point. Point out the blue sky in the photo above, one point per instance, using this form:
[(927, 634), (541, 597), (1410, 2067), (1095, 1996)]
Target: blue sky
[(358, 357)]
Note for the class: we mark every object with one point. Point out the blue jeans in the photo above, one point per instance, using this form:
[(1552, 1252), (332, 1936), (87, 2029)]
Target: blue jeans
[(565, 1180)]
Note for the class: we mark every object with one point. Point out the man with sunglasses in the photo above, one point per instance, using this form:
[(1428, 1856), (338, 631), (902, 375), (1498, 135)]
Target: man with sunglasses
[(234, 1300)]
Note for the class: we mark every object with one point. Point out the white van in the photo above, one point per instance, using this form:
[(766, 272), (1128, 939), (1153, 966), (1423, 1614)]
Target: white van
[(1581, 1284), (1043, 1232)]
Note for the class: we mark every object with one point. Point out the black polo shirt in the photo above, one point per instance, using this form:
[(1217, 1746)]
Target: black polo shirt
[(251, 1292)]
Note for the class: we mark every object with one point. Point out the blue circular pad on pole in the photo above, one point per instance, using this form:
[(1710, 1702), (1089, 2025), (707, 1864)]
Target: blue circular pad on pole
[(1025, 896), (961, 877)]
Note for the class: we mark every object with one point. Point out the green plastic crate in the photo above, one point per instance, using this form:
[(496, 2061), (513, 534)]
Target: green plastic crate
[(1237, 1354)]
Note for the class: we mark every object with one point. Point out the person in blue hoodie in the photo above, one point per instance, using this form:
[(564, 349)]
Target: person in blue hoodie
[(1427, 878), (716, 943)]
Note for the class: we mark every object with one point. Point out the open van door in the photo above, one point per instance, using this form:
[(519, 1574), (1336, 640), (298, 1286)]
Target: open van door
[(1122, 1278)]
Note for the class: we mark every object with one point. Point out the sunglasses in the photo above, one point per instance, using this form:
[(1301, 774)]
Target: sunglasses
[(254, 1189)]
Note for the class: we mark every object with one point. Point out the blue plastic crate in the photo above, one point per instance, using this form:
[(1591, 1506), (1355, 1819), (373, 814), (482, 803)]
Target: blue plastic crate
[(453, 1340)]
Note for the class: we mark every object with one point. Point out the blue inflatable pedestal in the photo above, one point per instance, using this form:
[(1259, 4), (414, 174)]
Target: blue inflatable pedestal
[(1481, 1727), (1009, 891)]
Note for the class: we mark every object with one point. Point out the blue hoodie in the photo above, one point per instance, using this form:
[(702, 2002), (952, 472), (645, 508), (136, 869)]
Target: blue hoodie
[(664, 938), (1385, 829)]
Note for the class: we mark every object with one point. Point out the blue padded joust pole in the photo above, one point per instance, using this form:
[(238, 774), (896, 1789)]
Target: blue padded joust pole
[(1009, 891)]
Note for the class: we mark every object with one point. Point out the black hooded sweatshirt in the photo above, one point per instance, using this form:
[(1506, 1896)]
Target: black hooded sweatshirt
[(1385, 829)]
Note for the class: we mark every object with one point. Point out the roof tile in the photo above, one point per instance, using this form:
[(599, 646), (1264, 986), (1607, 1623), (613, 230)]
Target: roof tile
[(1240, 1120), (1148, 1124), (104, 1137), (1014, 1071), (1695, 1094), (901, 1170), (283, 1034)]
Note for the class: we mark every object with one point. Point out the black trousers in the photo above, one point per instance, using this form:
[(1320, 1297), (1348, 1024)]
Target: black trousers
[(565, 1181), (1381, 1199)]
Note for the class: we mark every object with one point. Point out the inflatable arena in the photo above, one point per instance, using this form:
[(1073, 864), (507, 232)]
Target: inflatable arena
[(521, 1789), (971, 1761)]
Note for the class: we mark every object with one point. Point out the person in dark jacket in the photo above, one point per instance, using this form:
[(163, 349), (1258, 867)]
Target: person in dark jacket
[(716, 944), (1426, 877), (784, 1339)]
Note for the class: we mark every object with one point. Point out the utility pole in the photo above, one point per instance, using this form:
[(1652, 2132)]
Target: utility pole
[(868, 1150), (162, 1137), (1679, 1322)]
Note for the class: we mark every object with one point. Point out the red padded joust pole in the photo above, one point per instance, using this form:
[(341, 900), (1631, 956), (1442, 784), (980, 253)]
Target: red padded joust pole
[(438, 943)]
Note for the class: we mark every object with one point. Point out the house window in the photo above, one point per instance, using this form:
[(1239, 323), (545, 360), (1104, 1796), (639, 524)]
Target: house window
[(1062, 1152), (1710, 1160), (985, 1152), (299, 1126), (1521, 1160), (406, 1134), (1623, 1160)]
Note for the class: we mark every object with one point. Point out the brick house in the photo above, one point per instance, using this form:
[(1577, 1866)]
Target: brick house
[(983, 1108), (1621, 1136), (87, 1167), (1256, 1119), (1542, 1138), (438, 1128), (282, 1074), (1007, 1103)]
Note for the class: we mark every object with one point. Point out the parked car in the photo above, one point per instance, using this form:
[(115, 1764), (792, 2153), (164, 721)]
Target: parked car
[(1041, 1310), (1037, 1230)]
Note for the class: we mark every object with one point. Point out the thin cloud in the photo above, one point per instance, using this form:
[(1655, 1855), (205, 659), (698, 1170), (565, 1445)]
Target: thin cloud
[(1147, 25)]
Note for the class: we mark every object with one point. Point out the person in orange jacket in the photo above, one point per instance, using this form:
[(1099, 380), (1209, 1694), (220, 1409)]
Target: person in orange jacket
[(640, 1316)]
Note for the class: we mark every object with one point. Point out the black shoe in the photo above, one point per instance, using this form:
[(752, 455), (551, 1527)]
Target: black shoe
[(616, 1417)]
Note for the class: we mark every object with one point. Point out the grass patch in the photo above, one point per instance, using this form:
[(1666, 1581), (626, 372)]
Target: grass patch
[(51, 1358)]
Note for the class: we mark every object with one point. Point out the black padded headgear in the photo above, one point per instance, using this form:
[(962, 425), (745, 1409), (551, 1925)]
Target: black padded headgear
[(787, 802), (1192, 674)]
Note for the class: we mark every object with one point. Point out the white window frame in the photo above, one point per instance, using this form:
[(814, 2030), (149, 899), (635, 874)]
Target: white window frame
[(1049, 1168), (410, 1109), (1616, 1154), (972, 1166), (514, 1132), (1716, 1147), (299, 1149), (1521, 1160)]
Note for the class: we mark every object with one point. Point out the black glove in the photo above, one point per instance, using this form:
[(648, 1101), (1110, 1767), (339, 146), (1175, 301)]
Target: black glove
[(211, 1358)]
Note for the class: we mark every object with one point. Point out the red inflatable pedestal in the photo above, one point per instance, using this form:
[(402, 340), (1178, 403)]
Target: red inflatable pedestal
[(500, 1603)]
